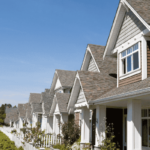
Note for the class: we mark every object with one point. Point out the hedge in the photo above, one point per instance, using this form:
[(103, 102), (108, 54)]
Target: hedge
[(6, 143)]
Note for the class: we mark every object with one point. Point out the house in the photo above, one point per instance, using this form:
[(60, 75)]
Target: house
[(95, 78), (36, 108), (47, 121), (62, 86), (118, 93)]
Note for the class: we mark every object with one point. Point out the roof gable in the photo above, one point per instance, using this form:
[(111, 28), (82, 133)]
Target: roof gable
[(131, 26), (123, 7), (58, 84), (56, 109), (81, 96), (65, 77), (60, 99)]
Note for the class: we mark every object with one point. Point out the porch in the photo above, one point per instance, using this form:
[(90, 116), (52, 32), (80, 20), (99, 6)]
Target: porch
[(130, 118)]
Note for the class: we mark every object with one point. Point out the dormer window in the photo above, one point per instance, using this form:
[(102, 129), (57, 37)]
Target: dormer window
[(130, 59)]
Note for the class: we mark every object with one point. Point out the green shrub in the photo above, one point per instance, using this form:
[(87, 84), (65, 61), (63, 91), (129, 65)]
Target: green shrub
[(13, 131), (6, 144), (70, 132)]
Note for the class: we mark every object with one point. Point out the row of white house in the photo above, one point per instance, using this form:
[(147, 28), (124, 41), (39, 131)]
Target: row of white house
[(113, 83)]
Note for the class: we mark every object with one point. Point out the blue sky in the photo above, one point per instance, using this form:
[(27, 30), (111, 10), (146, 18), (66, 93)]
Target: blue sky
[(39, 36)]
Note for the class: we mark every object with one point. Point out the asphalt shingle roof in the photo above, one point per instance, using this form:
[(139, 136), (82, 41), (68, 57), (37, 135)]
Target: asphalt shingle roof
[(142, 7), (127, 88), (66, 77), (109, 64), (95, 84), (36, 107), (62, 99), (35, 98), (47, 98)]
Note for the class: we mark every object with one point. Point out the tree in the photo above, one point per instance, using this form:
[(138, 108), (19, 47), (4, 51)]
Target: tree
[(1, 121)]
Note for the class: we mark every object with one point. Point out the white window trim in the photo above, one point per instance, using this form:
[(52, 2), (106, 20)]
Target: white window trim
[(133, 72)]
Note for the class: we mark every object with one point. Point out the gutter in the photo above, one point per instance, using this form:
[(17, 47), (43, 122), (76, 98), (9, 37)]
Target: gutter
[(123, 96)]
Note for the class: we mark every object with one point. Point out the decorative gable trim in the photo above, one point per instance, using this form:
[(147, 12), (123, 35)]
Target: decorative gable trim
[(86, 61)]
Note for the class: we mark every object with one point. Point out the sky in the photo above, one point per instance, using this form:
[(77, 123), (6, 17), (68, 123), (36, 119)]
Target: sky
[(39, 36)]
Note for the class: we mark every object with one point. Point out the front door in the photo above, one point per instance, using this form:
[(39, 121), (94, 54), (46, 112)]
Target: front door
[(93, 126), (115, 116)]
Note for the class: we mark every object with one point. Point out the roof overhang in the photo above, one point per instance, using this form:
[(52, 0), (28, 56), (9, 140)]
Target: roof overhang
[(137, 94)]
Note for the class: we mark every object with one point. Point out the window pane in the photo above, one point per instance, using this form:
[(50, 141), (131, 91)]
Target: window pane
[(128, 63), (144, 133), (144, 112), (135, 60), (123, 53), (135, 47), (129, 50), (124, 66)]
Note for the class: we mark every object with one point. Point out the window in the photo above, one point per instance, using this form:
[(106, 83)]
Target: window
[(130, 59), (146, 127)]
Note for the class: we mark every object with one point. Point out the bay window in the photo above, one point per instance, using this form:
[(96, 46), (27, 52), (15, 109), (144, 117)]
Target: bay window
[(130, 59)]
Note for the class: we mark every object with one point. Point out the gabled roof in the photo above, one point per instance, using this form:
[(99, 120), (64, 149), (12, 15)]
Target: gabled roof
[(47, 98), (36, 107), (66, 77), (22, 110), (142, 7), (97, 52), (109, 65), (62, 100), (95, 84), (35, 98)]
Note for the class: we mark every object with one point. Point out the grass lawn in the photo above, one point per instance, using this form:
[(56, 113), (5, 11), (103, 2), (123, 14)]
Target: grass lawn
[(6, 143)]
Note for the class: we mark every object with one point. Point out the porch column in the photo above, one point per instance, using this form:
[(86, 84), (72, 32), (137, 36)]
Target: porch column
[(134, 125), (100, 124), (85, 128), (54, 123), (44, 122)]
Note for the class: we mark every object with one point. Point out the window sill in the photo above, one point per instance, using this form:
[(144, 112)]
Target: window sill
[(129, 74)]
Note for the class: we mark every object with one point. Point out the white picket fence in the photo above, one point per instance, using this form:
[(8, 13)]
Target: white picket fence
[(47, 140)]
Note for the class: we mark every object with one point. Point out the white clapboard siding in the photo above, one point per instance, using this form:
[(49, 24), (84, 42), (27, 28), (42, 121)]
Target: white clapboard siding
[(81, 97), (131, 27), (92, 66)]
